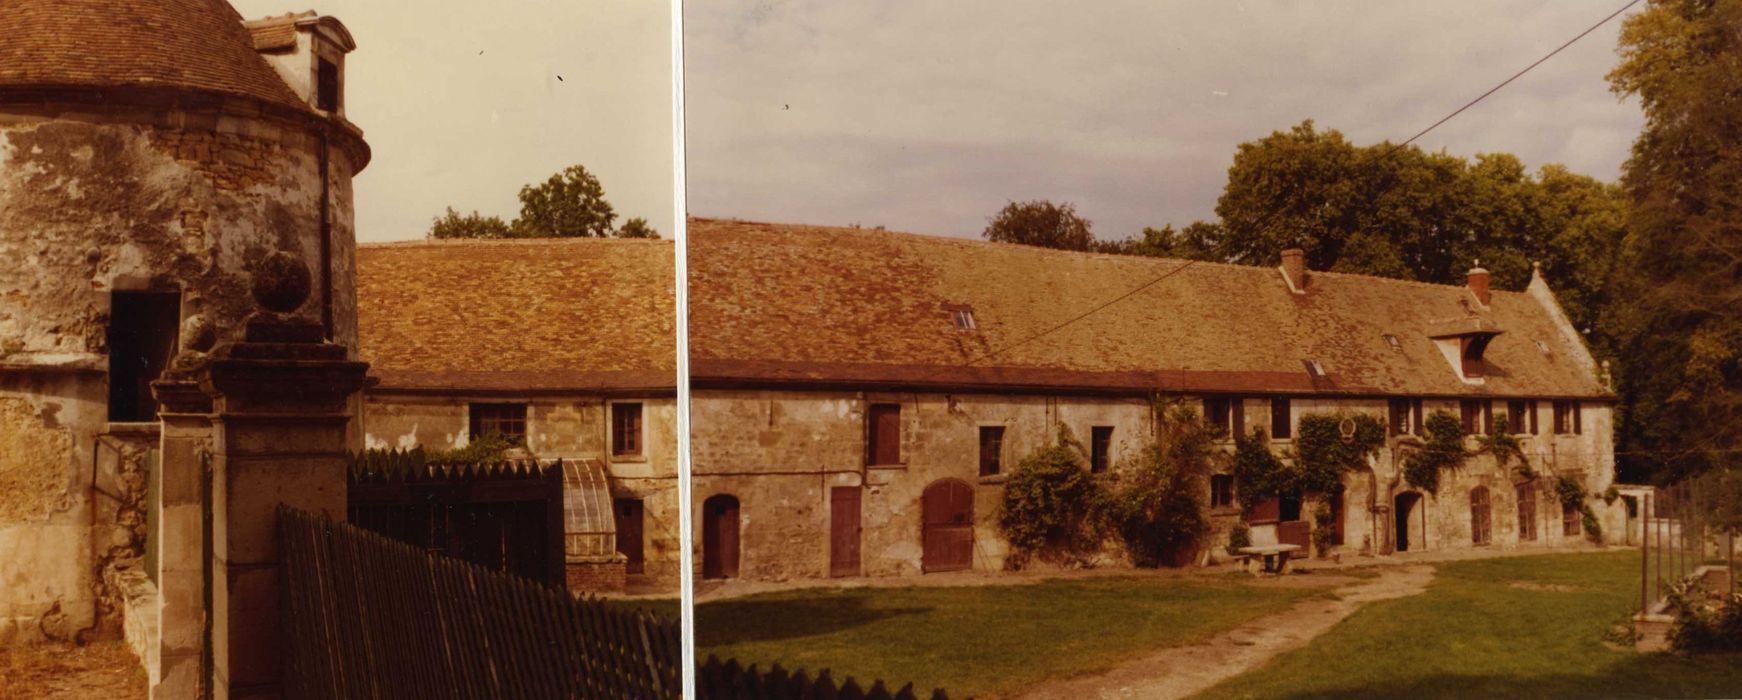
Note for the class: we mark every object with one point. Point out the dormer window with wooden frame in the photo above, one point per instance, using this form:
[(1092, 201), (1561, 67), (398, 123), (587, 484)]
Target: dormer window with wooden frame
[(1464, 343)]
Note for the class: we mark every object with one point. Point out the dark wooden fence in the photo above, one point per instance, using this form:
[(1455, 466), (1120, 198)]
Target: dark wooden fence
[(369, 617), (506, 516), (716, 680)]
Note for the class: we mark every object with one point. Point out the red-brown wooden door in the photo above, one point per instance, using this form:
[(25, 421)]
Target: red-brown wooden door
[(844, 531), (720, 537), (631, 515), (948, 529)]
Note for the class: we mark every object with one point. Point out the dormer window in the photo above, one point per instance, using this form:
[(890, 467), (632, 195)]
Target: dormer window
[(327, 85), (961, 317), (1464, 343)]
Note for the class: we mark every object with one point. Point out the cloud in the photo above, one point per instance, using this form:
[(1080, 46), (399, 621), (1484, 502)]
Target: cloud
[(929, 116)]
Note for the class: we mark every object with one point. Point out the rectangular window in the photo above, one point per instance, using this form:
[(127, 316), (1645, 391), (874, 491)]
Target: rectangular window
[(883, 439), (1570, 520), (142, 336), (626, 429), (1530, 408), (505, 420), (1100, 448), (1400, 418), (1515, 416), (1221, 490), (327, 88), (1526, 512), (1419, 417), (1217, 413), (1281, 423), (1471, 413), (1567, 420), (991, 449)]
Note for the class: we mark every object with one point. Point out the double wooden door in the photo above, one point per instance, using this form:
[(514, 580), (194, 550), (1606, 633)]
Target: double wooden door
[(948, 526)]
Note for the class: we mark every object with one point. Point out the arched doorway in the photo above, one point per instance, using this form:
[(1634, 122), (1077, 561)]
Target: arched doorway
[(947, 530), (1404, 508), (720, 537)]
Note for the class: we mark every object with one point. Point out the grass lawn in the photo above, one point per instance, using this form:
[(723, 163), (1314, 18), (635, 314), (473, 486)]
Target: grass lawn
[(1474, 633), (979, 641)]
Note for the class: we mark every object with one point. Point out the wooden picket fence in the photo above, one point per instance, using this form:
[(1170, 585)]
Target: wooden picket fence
[(365, 616), (369, 617)]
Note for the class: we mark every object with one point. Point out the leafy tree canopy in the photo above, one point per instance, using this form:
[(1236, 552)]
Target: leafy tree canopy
[(1041, 223), (570, 203), (1680, 377)]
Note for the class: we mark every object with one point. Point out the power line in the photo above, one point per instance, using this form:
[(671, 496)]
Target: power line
[(1276, 213)]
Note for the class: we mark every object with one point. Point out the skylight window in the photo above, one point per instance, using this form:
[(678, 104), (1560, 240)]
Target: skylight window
[(1542, 346), (963, 319), (1314, 368), (1393, 342)]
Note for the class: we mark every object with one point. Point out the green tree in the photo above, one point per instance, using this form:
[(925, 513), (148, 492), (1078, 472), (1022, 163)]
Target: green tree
[(636, 228), (456, 225), (1041, 223), (1681, 370), (569, 204)]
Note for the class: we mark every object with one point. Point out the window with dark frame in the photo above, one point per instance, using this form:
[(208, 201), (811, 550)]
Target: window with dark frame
[(1100, 448), (1475, 418), (142, 335), (1480, 526), (505, 420), (1570, 520), (883, 434), (1400, 422), (1530, 407), (1281, 422), (625, 429), (1217, 413), (1515, 418), (991, 449), (327, 85), (1221, 490), (1527, 512), (1567, 420)]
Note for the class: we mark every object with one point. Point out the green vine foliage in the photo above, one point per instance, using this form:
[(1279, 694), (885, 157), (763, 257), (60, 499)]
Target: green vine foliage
[(1322, 456), (1324, 528), (1572, 495), (1505, 447), (1444, 449), (1258, 473), (1158, 508), (1050, 505), (1238, 537)]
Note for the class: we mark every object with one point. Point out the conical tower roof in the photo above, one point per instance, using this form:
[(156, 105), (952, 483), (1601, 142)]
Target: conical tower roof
[(197, 45)]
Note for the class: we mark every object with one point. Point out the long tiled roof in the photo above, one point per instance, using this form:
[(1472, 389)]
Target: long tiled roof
[(183, 44), (776, 303), (519, 315)]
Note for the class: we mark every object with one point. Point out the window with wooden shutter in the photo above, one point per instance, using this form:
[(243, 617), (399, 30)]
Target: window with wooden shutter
[(1515, 416), (1567, 420), (1281, 421), (1400, 418), (883, 439), (1471, 411), (991, 449), (1100, 448), (625, 429)]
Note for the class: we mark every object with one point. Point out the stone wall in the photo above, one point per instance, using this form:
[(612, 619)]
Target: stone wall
[(567, 427), (780, 452), (158, 195)]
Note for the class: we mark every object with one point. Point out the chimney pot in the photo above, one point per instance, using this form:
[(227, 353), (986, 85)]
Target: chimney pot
[(1294, 268), (1477, 281)]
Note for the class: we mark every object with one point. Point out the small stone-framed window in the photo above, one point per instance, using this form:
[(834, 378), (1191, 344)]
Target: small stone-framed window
[(1406, 417), (626, 429), (883, 434), (1478, 417), (1221, 490), (1567, 420), (1480, 522), (142, 337), (1226, 414), (1571, 522), (1100, 448), (991, 449), (506, 420), (1281, 421)]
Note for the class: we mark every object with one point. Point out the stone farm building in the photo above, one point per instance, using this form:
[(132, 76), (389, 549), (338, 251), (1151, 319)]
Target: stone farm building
[(152, 155), (860, 396), (567, 344)]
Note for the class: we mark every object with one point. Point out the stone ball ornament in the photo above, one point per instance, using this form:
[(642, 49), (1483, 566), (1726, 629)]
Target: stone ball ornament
[(198, 334), (282, 283)]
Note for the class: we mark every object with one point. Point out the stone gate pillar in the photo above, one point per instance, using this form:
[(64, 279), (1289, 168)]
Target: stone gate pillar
[(182, 540), (280, 409)]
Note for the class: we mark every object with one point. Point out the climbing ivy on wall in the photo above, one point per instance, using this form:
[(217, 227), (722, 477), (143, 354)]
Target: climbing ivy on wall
[(1444, 449), (1322, 455), (1258, 473), (1051, 505), (1157, 509), (1572, 495)]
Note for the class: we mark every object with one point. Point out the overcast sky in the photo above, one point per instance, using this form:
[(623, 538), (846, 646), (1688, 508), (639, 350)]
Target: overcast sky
[(929, 116), (462, 103)]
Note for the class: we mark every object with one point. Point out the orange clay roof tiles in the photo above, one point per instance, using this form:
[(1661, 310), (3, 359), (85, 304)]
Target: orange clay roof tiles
[(809, 303), (534, 315), (186, 44)]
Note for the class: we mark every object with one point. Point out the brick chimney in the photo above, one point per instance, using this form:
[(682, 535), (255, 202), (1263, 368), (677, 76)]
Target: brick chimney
[(1477, 281), (1294, 269)]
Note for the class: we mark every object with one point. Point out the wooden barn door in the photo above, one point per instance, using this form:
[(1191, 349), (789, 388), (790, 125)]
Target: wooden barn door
[(720, 537), (948, 530), (844, 531), (631, 517)]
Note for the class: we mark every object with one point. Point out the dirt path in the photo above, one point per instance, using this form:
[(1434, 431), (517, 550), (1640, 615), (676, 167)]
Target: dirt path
[(1178, 672), (100, 670)]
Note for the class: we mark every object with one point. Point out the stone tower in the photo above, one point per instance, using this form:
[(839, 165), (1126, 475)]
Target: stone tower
[(152, 155)]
